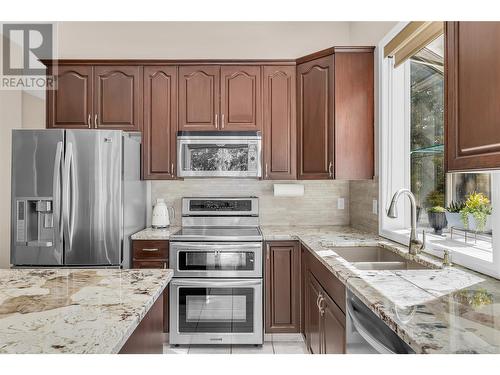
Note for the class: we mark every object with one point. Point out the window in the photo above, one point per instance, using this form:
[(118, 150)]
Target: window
[(411, 154)]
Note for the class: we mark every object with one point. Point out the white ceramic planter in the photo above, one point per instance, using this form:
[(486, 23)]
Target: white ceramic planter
[(454, 220), (473, 224)]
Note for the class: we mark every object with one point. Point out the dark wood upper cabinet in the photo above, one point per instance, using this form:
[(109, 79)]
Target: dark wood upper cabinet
[(354, 118), (199, 98), (279, 135), (70, 106), (160, 122), (472, 81), (241, 98), (282, 280), (118, 97), (315, 84)]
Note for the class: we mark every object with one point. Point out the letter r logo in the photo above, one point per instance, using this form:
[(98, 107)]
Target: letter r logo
[(24, 45)]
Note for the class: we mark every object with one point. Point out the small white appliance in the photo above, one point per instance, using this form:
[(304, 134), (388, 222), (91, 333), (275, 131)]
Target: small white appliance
[(161, 218)]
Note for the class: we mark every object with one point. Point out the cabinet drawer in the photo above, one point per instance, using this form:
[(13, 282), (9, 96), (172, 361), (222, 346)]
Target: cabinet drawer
[(150, 250), (149, 264)]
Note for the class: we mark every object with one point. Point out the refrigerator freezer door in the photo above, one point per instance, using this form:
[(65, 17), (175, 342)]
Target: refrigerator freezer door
[(36, 197), (93, 198)]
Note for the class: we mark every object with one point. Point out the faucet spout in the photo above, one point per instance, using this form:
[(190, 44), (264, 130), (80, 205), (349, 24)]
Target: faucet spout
[(414, 245)]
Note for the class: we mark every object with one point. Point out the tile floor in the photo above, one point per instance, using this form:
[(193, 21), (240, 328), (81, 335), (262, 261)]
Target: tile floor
[(273, 344)]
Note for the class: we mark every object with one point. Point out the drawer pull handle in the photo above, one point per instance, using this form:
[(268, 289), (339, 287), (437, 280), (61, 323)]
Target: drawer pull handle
[(151, 250)]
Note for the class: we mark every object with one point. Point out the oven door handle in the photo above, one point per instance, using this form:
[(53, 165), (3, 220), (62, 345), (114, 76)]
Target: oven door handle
[(189, 246), (215, 283)]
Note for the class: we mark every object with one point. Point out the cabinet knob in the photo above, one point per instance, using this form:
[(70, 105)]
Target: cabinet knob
[(172, 170), (216, 121), (330, 169), (222, 125), (151, 250), (266, 171), (89, 121), (95, 120)]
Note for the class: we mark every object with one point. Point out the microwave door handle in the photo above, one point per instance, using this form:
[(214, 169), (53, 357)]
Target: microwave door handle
[(56, 190)]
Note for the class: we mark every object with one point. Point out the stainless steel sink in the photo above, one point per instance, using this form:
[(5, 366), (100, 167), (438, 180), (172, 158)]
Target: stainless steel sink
[(376, 258)]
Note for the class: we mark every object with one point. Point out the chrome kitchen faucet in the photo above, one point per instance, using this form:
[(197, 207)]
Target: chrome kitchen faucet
[(414, 246)]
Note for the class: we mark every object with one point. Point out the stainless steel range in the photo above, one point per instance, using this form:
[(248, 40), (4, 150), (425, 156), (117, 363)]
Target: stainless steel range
[(216, 292)]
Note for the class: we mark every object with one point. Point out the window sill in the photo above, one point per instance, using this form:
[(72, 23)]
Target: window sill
[(477, 257)]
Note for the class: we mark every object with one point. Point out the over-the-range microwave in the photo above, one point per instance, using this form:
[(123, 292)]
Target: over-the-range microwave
[(231, 154)]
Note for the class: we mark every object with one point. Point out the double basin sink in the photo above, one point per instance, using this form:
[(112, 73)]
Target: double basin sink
[(376, 258)]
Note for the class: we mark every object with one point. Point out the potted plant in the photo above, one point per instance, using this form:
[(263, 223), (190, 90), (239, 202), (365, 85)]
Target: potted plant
[(476, 213), (437, 218), (453, 216)]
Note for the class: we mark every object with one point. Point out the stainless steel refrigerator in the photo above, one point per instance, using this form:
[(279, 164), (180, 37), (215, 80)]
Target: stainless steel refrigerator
[(77, 197)]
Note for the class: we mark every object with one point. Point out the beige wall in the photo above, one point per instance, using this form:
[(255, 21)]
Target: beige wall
[(318, 206), (33, 110), (198, 40), (369, 33)]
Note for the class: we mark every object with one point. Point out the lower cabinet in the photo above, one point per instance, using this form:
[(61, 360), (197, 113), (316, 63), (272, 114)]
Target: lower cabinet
[(152, 254), (282, 287), (324, 320)]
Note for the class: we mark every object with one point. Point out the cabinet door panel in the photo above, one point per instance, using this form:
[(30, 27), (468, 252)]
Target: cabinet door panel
[(70, 106), (279, 123), (160, 122), (282, 287), (315, 118), (354, 115), (241, 98), (312, 318), (118, 97), (198, 97), (333, 327), (472, 78)]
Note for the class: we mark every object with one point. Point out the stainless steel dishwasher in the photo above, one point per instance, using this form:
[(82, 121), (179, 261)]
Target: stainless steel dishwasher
[(367, 333)]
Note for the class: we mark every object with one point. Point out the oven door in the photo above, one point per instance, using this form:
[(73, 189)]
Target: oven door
[(215, 311), (218, 157), (216, 259)]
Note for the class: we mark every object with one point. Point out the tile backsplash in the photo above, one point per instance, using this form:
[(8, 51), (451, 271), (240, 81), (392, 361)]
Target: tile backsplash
[(361, 196), (318, 205)]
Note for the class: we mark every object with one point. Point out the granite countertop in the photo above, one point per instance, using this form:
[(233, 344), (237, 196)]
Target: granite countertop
[(435, 310), (154, 234), (74, 310)]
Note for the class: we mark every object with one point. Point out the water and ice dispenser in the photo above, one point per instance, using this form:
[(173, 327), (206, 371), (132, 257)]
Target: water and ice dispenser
[(34, 222)]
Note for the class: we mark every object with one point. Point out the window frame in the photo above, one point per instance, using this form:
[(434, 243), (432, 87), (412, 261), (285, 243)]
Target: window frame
[(393, 85)]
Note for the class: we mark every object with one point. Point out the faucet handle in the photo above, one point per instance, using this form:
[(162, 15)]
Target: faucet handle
[(446, 258)]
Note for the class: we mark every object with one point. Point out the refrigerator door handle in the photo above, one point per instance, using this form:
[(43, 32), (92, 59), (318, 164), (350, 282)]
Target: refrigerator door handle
[(66, 193), (56, 188), (73, 192)]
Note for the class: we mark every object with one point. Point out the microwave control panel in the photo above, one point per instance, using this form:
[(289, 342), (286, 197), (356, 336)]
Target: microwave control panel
[(252, 157)]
